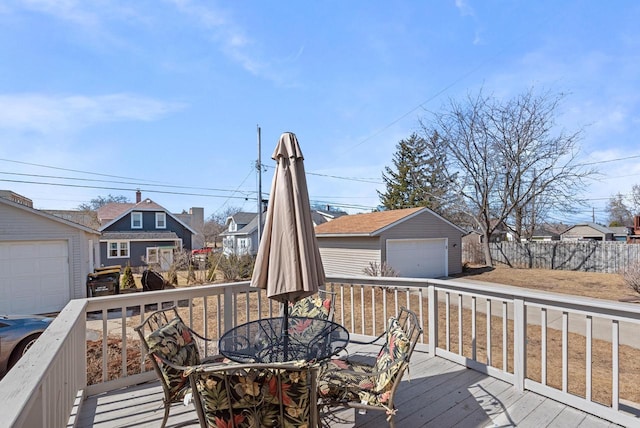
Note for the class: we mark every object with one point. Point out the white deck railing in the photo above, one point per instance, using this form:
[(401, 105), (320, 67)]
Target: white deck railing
[(520, 342)]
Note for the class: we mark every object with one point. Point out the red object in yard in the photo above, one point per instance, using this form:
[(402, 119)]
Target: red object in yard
[(205, 250)]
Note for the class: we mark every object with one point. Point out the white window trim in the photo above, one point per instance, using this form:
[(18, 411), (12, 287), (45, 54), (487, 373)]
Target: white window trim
[(135, 214), (163, 218), (120, 248), (151, 259)]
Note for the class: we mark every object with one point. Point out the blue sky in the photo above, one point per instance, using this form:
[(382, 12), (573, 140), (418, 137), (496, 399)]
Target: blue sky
[(166, 96)]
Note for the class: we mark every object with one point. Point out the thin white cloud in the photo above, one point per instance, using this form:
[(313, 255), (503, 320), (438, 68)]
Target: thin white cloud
[(464, 8), (233, 40), (46, 113), (68, 10)]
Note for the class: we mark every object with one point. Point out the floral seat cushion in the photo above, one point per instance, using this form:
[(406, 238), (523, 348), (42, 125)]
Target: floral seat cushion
[(345, 380), (255, 398), (311, 307), (174, 343)]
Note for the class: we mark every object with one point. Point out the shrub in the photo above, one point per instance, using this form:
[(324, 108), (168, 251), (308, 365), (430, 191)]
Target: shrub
[(127, 280), (631, 276), (236, 268), (376, 269)]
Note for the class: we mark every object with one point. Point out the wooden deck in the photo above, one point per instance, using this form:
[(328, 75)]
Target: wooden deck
[(435, 393)]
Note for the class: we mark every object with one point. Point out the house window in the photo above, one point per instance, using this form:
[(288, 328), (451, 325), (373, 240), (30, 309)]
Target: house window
[(161, 220), (152, 255), (117, 249), (136, 220), (233, 227)]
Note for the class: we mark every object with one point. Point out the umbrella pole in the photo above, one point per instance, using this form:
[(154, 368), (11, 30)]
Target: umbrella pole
[(285, 332)]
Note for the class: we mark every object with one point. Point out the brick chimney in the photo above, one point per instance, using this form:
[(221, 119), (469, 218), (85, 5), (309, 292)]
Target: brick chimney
[(138, 196)]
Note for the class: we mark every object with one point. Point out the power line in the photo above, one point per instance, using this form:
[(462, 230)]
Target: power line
[(72, 170), (118, 182), (124, 189)]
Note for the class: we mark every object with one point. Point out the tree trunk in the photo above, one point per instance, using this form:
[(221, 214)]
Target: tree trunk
[(488, 260)]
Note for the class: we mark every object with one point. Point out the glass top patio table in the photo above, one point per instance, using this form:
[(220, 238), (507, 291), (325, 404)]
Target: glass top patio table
[(263, 341)]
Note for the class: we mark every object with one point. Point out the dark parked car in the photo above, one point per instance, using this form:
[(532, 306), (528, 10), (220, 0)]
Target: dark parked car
[(17, 334)]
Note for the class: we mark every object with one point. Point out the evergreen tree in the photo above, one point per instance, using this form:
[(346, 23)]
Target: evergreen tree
[(417, 178)]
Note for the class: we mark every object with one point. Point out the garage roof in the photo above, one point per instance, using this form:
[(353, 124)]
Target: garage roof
[(368, 224)]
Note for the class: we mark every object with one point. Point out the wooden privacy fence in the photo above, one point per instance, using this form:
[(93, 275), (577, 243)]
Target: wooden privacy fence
[(607, 257)]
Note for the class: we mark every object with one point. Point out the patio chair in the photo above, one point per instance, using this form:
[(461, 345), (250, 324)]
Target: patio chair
[(321, 305), (350, 383), (172, 348), (255, 395)]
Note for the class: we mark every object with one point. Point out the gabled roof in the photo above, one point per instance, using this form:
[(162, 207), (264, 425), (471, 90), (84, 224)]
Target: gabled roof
[(595, 226), (126, 208), (49, 216), (85, 218), (371, 224), (241, 218), (109, 211)]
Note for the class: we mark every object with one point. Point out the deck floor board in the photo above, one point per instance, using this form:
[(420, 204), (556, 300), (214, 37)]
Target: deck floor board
[(435, 393)]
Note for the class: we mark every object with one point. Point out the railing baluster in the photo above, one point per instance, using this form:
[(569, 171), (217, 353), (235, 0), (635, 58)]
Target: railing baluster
[(489, 361), (505, 336), (565, 350), (362, 314), (459, 324), (123, 343), (615, 364), (588, 356), (447, 304), (373, 311), (473, 329), (543, 346)]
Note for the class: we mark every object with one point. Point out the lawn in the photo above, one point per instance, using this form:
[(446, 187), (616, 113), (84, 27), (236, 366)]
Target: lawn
[(587, 284)]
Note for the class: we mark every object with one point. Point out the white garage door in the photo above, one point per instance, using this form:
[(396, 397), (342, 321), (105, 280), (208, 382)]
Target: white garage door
[(418, 258), (34, 277)]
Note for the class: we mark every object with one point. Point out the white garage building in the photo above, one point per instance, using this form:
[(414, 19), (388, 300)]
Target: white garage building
[(44, 259), (415, 242)]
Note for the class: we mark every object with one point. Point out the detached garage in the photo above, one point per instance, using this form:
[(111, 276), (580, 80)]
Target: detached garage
[(415, 242), (44, 259)]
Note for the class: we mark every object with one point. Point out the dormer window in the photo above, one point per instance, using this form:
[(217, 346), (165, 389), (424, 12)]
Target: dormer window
[(233, 226), (161, 220), (136, 220)]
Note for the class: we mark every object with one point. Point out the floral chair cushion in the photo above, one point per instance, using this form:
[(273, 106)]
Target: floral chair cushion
[(311, 307), (255, 397), (174, 343), (392, 353), (354, 381)]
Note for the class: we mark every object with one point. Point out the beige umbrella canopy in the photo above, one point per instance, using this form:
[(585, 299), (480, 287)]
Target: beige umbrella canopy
[(288, 263)]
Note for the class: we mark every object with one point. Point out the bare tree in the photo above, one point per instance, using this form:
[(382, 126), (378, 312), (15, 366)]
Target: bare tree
[(215, 225), (512, 163), (100, 201), (619, 212)]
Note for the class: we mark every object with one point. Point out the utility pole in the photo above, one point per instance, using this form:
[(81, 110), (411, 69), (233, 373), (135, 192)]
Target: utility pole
[(259, 167)]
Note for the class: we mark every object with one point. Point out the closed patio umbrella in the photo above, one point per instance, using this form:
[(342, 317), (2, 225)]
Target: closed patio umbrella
[(288, 263)]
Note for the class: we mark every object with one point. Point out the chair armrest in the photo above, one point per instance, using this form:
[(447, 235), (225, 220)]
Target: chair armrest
[(362, 342)]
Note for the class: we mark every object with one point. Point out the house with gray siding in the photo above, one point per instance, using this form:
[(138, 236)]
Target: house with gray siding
[(44, 259), (241, 234), (414, 242), (587, 232)]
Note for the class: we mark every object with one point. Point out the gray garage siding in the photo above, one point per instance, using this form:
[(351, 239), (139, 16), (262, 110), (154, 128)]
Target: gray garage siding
[(427, 225), (23, 225), (348, 256)]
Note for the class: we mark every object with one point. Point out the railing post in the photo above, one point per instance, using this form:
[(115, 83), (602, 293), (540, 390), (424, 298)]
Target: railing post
[(433, 319), (519, 343), (228, 309)]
